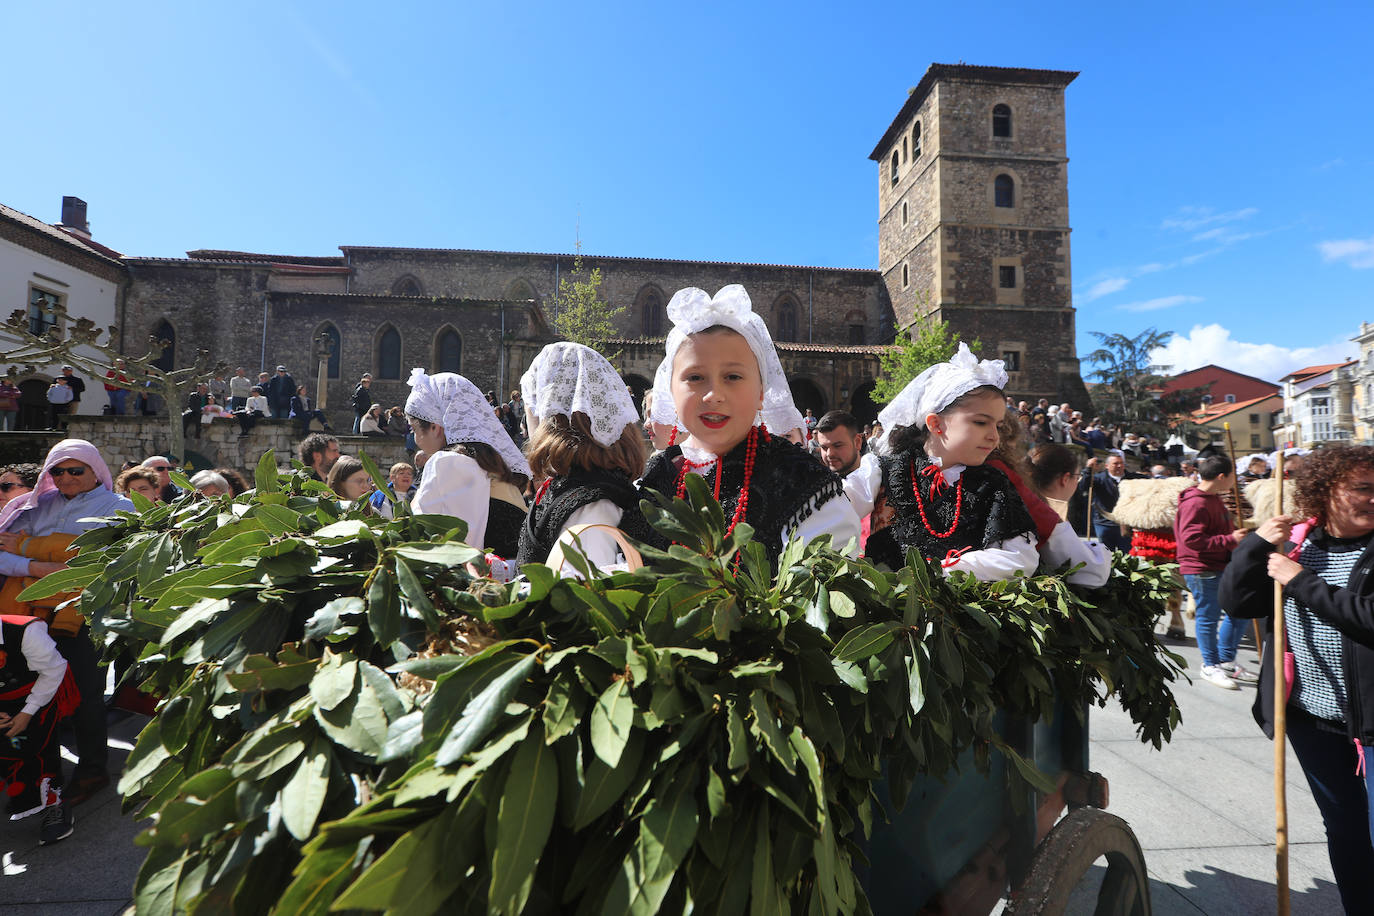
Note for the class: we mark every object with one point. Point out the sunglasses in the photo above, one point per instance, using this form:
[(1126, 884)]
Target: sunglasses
[(7, 486), (161, 467), (58, 472)]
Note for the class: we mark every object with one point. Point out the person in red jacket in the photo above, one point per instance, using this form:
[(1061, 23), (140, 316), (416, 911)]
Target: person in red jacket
[(1206, 535)]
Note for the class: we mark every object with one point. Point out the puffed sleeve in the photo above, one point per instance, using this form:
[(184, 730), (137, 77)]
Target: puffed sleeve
[(998, 561), (456, 485), (861, 485), (835, 517), (1065, 546), (598, 546)]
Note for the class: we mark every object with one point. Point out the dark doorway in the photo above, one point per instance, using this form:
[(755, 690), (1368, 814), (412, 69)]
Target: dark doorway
[(806, 394), (638, 384), (862, 405), (33, 404)]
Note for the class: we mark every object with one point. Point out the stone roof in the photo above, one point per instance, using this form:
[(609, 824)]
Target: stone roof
[(969, 74), (593, 258), (67, 238), (782, 345), (249, 257)]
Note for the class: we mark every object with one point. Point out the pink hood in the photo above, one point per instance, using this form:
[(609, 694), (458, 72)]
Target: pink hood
[(66, 450)]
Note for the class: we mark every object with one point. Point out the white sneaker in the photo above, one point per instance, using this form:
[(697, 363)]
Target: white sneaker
[(1239, 672), (1219, 677)]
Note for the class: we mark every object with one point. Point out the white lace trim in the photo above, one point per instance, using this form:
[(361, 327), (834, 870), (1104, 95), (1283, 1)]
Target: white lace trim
[(455, 403), (568, 377)]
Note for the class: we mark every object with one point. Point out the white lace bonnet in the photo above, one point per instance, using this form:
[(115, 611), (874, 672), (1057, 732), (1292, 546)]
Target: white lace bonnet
[(455, 403), (937, 387), (567, 377), (691, 311)]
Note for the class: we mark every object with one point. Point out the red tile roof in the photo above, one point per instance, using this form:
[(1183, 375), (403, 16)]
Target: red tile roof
[(1302, 375), (1217, 411)]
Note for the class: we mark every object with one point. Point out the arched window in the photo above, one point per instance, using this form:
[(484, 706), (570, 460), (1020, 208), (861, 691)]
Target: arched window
[(1004, 191), (389, 354), (520, 290), (894, 166), (407, 286), (787, 320), (335, 348), (1001, 121), (448, 351), (651, 313), (916, 142), (168, 360), (904, 149), (906, 276)]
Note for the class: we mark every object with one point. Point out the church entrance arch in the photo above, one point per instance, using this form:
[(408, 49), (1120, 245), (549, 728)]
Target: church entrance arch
[(862, 405), (806, 393)]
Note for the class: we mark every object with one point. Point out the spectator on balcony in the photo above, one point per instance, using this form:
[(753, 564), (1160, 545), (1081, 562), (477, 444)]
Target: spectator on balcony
[(240, 389), (118, 395)]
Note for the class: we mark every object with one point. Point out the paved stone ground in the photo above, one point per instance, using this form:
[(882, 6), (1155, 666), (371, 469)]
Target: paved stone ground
[(1202, 809)]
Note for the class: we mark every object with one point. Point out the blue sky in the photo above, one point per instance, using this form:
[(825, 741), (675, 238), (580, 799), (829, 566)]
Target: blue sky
[(1220, 154)]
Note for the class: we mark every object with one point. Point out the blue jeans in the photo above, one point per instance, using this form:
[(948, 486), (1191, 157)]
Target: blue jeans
[(1328, 761), (1218, 636), (117, 399)]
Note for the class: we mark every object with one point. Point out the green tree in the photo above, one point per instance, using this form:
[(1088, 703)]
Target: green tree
[(580, 313), (921, 347), (1129, 379)]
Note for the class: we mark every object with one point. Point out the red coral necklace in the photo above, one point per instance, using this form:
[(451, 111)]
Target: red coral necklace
[(937, 483), (742, 502)]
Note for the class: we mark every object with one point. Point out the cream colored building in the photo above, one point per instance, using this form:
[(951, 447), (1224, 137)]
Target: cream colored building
[(1362, 395)]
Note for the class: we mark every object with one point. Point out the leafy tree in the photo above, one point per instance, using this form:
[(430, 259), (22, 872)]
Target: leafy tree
[(920, 348), (1129, 379), (580, 313)]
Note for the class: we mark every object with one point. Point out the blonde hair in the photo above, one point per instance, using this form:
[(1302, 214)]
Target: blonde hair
[(560, 444)]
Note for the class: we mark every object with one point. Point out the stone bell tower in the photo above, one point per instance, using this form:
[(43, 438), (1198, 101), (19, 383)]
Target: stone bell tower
[(973, 219)]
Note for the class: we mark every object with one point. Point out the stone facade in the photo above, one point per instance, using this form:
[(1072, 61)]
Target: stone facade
[(124, 439), (992, 261)]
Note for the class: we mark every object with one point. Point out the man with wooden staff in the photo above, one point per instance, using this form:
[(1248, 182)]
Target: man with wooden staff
[(1319, 691)]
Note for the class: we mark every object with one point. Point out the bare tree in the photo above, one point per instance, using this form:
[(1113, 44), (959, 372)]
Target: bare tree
[(81, 348)]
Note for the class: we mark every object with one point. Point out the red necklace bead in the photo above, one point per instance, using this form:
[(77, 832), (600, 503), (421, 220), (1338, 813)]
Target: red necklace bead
[(920, 506), (742, 501)]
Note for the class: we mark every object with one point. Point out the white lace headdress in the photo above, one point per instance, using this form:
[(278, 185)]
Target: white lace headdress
[(691, 310), (568, 377), (455, 403), (937, 387)]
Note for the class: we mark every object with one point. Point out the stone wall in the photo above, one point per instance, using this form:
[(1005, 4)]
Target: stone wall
[(123, 439)]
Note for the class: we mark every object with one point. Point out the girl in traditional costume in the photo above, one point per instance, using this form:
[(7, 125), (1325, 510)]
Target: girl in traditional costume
[(722, 382), (942, 497), (473, 466), (586, 450)]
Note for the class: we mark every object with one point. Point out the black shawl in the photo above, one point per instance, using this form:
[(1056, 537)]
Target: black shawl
[(565, 495)]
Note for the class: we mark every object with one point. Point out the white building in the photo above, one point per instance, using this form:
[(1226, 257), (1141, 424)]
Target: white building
[(1316, 406), (41, 263)]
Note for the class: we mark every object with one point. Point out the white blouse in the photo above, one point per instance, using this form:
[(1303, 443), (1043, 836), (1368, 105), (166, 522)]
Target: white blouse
[(1065, 546), (996, 561), (454, 484), (41, 656)]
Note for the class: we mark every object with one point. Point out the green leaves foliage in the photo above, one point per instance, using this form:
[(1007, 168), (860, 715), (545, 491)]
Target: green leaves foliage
[(353, 722)]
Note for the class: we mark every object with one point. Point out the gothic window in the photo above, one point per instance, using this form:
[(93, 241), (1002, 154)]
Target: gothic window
[(448, 351), (904, 213), (904, 149), (787, 320), (335, 348), (41, 302), (167, 361), (519, 291), (916, 142), (407, 286), (1006, 276), (651, 315), (1011, 360), (906, 276), (1001, 121), (856, 335), (389, 354), (894, 166), (1004, 191)]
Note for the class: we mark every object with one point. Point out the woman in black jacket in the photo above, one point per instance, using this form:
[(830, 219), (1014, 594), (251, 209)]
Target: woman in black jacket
[(1324, 566)]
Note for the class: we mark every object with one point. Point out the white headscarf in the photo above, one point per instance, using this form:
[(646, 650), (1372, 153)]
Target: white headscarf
[(691, 311), (568, 377), (455, 404), (936, 388)]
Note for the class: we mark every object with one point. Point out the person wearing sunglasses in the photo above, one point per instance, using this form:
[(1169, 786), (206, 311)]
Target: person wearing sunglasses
[(16, 480), (163, 468), (73, 494)]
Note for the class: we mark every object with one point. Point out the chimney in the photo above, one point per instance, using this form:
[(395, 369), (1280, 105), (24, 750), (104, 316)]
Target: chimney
[(74, 215)]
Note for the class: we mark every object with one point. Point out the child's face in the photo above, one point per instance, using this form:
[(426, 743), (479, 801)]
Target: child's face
[(966, 434), (717, 389)]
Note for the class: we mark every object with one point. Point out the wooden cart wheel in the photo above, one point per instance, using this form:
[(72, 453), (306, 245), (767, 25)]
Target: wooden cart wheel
[(1075, 844)]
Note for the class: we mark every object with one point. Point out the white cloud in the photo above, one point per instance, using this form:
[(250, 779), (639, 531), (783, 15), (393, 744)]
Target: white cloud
[(1358, 253), (1104, 288), (1191, 219), (1212, 344), (1163, 302)]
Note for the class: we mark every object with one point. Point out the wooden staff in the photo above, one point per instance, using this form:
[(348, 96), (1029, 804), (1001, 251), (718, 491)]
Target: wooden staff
[(1280, 734), (1240, 514), (1090, 505)]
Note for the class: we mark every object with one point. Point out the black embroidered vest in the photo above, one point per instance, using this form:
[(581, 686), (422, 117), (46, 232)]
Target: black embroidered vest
[(991, 512), (549, 515), (504, 521), (15, 673), (788, 485)]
